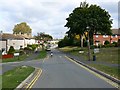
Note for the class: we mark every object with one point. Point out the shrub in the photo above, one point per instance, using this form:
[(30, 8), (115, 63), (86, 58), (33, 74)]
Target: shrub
[(84, 43), (28, 48), (106, 42), (22, 52), (115, 44), (65, 42), (33, 47), (76, 43), (11, 50)]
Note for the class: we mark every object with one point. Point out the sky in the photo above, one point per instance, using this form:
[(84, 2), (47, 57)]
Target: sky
[(48, 16)]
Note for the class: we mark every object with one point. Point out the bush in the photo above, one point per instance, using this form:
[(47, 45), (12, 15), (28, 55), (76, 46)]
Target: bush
[(115, 44), (84, 43), (106, 42), (22, 52), (93, 46), (11, 50), (33, 47), (76, 43), (65, 42), (28, 48)]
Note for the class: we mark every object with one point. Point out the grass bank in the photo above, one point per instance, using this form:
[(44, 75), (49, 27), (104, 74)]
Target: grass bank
[(109, 55), (0, 82), (42, 54), (113, 71), (12, 78)]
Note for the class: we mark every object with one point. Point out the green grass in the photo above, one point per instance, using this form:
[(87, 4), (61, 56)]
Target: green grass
[(113, 71), (12, 78), (20, 58), (0, 82), (109, 55), (69, 49), (41, 55)]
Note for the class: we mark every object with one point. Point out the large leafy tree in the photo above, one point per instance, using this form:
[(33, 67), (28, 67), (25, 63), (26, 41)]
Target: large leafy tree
[(43, 36), (93, 16), (22, 28)]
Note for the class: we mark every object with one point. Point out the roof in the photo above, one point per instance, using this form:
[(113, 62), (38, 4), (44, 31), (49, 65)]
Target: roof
[(116, 31), (11, 36)]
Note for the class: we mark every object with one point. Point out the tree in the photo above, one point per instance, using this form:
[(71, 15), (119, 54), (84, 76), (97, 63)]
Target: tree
[(11, 50), (43, 36), (93, 16), (22, 28), (65, 42)]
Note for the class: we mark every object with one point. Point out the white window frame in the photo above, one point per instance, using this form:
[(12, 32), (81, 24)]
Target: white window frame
[(105, 36), (96, 36)]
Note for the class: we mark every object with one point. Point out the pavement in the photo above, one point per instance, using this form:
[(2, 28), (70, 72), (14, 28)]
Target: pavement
[(59, 72)]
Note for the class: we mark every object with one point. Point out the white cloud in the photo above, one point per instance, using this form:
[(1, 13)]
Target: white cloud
[(46, 15)]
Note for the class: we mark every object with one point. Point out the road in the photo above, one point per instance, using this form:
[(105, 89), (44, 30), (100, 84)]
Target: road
[(59, 72)]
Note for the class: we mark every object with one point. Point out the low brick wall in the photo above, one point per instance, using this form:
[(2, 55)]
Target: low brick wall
[(7, 56)]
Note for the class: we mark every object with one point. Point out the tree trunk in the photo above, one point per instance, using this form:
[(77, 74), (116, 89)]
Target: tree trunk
[(81, 39), (91, 38)]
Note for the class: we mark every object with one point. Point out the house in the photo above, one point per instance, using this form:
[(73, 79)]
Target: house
[(27, 37), (100, 39), (8, 40), (17, 41)]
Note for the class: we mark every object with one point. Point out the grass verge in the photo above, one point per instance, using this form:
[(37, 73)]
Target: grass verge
[(108, 55), (12, 78), (20, 58), (41, 55), (113, 71), (0, 82)]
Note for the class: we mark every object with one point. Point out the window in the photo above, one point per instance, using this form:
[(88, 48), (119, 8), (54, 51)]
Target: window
[(96, 36), (105, 36)]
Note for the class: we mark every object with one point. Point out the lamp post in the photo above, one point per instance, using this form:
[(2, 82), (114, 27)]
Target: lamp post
[(88, 42)]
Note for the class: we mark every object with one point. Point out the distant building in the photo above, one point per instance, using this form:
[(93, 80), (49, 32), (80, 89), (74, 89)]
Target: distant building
[(8, 40), (17, 41), (100, 39)]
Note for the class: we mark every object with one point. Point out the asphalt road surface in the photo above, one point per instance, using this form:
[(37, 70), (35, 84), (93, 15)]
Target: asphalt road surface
[(59, 72)]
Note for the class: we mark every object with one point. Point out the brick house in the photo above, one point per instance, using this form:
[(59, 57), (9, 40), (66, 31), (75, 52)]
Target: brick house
[(100, 39)]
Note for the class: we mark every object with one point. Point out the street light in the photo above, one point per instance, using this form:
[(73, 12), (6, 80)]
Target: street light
[(88, 29)]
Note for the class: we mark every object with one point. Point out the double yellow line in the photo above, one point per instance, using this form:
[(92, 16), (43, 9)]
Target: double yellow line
[(29, 86)]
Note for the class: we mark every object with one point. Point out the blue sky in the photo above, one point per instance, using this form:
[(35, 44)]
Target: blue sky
[(47, 15)]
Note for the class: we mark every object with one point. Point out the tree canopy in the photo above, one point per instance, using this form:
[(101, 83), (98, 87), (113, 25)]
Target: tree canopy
[(43, 36), (22, 28), (92, 16)]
